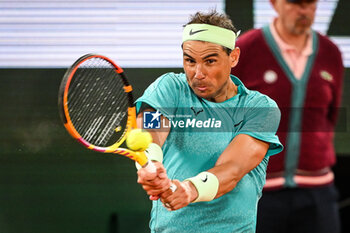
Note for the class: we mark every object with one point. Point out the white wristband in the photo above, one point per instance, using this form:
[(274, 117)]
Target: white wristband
[(207, 185), (154, 153)]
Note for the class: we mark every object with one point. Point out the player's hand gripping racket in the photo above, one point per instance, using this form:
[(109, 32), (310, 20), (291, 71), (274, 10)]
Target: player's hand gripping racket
[(97, 107)]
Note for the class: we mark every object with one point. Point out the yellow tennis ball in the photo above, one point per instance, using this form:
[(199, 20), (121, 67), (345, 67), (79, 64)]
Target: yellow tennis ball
[(138, 140)]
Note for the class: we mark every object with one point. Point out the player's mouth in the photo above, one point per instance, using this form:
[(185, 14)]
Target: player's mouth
[(200, 86)]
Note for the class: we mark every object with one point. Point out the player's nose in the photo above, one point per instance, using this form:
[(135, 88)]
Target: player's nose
[(199, 72)]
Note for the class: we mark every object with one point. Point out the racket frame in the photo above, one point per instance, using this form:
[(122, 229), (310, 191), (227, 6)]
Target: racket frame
[(138, 156)]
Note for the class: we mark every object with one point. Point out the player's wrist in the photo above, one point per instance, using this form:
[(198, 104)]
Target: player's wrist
[(191, 189), (206, 185), (154, 153)]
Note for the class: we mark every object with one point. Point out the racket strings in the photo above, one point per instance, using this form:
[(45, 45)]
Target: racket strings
[(102, 127), (106, 130), (84, 79), (81, 97), (97, 102), (118, 113), (92, 101)]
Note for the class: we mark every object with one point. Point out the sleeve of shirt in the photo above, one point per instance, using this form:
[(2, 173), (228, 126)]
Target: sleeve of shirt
[(337, 89), (261, 121), (162, 95)]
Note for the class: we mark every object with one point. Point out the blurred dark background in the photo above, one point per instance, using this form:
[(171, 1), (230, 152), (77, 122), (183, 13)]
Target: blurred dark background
[(50, 183)]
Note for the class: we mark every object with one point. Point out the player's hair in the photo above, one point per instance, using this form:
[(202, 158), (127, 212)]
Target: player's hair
[(213, 18)]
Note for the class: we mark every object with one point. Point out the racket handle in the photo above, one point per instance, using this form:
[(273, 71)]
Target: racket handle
[(150, 167)]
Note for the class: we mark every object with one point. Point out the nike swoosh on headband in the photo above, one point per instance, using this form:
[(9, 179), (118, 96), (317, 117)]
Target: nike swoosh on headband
[(194, 32)]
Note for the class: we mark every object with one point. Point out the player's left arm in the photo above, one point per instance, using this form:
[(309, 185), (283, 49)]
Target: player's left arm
[(241, 156), (244, 153)]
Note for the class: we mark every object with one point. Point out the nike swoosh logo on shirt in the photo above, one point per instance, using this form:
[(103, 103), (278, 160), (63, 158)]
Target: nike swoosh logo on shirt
[(238, 123)]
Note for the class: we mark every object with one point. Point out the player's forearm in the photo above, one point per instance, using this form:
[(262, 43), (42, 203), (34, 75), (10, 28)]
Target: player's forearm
[(228, 175), (240, 157), (226, 181)]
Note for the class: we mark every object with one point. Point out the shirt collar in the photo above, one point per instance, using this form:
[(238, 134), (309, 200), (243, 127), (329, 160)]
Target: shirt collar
[(241, 89)]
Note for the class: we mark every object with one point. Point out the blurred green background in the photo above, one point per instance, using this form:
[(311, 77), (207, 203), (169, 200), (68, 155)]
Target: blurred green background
[(50, 183)]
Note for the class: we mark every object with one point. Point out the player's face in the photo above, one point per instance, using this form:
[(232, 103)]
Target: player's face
[(296, 18), (207, 67)]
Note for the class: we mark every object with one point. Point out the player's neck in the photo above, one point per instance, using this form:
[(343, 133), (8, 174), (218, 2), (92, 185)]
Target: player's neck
[(227, 92)]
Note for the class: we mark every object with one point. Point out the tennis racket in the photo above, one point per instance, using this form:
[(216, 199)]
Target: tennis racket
[(97, 107)]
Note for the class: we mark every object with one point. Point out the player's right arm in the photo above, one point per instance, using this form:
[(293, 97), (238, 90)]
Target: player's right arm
[(161, 183), (159, 136)]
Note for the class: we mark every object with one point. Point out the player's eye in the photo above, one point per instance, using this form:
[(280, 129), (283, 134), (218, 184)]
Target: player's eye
[(210, 61), (190, 60)]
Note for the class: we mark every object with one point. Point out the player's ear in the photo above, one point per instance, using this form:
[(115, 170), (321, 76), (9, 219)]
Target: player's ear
[(273, 4), (234, 56)]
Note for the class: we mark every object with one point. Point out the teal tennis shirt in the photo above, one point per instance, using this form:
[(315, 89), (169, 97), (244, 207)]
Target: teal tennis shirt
[(200, 132)]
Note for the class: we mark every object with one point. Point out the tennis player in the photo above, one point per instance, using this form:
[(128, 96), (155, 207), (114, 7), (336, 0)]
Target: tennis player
[(213, 137)]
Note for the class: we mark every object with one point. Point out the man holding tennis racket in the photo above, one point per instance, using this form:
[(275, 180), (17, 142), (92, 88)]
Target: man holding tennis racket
[(213, 140)]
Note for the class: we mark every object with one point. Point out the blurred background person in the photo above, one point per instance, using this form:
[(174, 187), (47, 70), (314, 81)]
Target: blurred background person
[(302, 71)]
